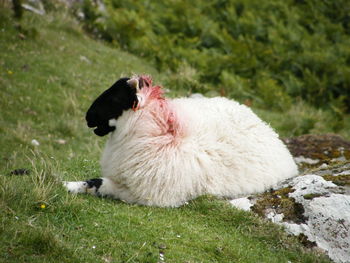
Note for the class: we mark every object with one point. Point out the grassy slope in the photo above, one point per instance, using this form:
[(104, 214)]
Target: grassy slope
[(45, 87)]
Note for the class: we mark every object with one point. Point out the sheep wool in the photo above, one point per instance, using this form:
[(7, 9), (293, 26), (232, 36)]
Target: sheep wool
[(164, 152)]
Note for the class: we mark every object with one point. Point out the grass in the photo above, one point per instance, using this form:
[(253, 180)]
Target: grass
[(304, 119), (50, 71)]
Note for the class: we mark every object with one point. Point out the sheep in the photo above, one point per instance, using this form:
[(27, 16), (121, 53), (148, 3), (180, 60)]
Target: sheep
[(164, 152)]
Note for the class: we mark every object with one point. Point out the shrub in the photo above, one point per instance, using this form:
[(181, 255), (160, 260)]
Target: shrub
[(286, 49)]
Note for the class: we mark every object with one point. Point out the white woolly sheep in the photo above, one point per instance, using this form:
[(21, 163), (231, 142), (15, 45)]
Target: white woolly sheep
[(164, 152)]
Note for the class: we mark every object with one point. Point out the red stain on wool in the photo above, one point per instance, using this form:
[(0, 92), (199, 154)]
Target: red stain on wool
[(161, 108)]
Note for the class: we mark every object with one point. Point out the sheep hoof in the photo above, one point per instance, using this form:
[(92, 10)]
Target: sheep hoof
[(76, 187)]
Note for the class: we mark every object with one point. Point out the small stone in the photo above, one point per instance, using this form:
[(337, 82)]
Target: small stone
[(242, 203), (274, 217), (302, 159), (161, 256), (162, 246), (324, 165), (61, 141), (85, 59), (21, 36), (35, 142)]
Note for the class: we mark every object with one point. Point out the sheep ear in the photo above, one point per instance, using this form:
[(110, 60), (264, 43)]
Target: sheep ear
[(133, 83), (110, 105)]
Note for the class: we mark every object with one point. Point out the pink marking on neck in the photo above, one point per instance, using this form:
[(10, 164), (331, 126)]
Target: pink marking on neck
[(161, 108), (148, 90)]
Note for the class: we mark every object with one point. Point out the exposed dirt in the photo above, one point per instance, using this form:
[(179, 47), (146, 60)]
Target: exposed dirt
[(324, 148)]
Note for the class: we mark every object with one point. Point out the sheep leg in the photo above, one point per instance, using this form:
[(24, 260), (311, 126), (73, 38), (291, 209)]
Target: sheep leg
[(97, 186)]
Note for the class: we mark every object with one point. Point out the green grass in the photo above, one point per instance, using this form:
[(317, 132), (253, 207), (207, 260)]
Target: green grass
[(46, 86), (304, 119)]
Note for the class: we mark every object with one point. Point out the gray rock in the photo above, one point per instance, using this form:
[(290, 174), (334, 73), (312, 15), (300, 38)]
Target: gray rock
[(309, 185), (328, 215), (242, 203), (315, 204), (329, 225)]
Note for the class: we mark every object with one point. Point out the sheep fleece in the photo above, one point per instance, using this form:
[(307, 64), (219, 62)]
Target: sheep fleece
[(169, 151)]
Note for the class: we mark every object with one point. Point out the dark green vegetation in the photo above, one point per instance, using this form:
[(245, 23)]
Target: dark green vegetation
[(50, 71), (270, 54)]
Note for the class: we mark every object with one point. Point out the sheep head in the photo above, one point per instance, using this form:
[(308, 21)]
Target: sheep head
[(111, 104)]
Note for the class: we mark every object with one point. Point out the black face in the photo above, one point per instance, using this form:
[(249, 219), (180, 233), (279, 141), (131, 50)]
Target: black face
[(110, 105)]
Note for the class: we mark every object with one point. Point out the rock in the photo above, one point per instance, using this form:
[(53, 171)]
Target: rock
[(325, 224), (312, 207), (338, 173), (85, 59), (61, 141), (162, 246), (34, 142), (295, 229), (316, 204), (242, 203), (317, 149), (308, 185), (275, 218), (329, 225), (302, 160)]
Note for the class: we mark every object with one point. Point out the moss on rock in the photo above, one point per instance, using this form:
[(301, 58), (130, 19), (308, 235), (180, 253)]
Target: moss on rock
[(323, 147), (336, 172), (341, 180), (279, 201), (311, 196)]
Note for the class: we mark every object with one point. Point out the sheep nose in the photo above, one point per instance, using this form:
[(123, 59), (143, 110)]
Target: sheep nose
[(91, 119)]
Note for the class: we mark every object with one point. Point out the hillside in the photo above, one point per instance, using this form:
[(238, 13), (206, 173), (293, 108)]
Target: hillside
[(50, 72)]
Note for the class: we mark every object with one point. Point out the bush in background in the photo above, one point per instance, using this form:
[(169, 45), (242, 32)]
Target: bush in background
[(269, 52)]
